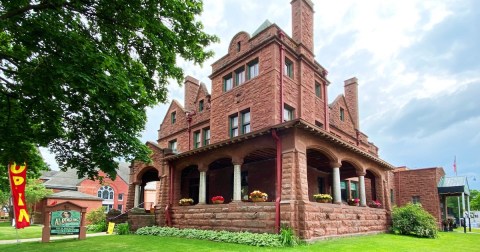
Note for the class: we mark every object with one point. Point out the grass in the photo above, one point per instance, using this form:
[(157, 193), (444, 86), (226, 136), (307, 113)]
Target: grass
[(451, 241), (7, 232)]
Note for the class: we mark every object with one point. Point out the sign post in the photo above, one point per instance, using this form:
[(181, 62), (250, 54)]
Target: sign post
[(64, 218)]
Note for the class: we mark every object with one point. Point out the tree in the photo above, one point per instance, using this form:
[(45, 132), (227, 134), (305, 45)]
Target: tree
[(35, 191), (474, 200), (77, 75)]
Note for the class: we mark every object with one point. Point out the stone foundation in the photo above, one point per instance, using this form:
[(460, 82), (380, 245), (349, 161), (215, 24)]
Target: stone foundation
[(136, 221)]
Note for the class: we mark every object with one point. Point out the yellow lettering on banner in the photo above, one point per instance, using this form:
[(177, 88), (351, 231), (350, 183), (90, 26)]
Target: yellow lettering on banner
[(20, 201), (23, 215), (14, 169), (17, 180)]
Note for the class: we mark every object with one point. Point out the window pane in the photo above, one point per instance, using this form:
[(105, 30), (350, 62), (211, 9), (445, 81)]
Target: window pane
[(105, 195), (235, 121), (252, 70), (228, 83), (246, 128), (235, 132), (246, 117), (240, 77)]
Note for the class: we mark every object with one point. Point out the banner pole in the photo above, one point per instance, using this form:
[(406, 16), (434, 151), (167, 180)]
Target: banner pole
[(11, 202)]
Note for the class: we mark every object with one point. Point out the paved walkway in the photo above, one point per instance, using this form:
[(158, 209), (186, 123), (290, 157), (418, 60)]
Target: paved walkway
[(53, 237)]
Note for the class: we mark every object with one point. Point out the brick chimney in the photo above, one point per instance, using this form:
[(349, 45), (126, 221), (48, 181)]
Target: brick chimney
[(191, 88), (351, 96), (302, 23)]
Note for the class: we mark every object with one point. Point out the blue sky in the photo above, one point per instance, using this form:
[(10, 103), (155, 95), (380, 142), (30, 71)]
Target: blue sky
[(417, 63)]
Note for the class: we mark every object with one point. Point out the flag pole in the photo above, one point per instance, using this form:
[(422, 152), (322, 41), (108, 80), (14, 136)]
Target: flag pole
[(11, 202)]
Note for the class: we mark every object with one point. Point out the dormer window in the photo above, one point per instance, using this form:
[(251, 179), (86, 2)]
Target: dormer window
[(342, 114), (200, 106), (173, 117), (238, 46)]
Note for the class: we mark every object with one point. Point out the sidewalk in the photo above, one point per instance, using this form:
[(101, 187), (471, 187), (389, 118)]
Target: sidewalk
[(52, 238)]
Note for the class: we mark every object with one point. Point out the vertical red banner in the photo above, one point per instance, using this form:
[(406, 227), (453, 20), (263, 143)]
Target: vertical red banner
[(18, 179)]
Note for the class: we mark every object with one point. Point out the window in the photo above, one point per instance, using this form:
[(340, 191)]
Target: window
[(321, 184), (173, 117), (318, 89), (252, 69), (246, 122), (287, 113), (120, 197), (342, 114), (227, 83), (200, 106), (288, 68), (196, 139), (244, 185), (120, 208), (354, 189), (343, 188), (240, 76), (206, 136), (239, 45), (107, 207), (105, 192), (392, 197), (173, 145), (234, 126), (416, 199)]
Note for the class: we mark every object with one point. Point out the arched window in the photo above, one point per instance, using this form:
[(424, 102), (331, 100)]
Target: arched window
[(105, 192)]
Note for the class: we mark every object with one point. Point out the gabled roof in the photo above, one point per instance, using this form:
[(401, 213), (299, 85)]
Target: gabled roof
[(453, 185), (67, 180), (262, 27), (47, 175), (73, 195)]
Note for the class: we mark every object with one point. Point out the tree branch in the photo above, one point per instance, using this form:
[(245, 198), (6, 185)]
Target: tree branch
[(24, 9)]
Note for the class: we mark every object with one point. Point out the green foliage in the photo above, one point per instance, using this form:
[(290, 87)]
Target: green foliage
[(412, 219), (288, 237), (34, 192), (474, 200), (122, 229), (77, 76), (247, 238), (99, 227), (97, 216)]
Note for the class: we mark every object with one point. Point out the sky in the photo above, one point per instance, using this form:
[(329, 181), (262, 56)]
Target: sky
[(417, 64)]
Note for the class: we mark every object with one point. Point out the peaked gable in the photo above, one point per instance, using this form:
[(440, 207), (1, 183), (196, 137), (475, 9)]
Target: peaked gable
[(346, 125), (168, 127)]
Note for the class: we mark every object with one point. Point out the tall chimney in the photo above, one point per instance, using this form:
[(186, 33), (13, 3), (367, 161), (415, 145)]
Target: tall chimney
[(351, 96), (191, 88), (302, 23)]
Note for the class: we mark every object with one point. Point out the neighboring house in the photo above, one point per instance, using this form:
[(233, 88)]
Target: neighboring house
[(85, 192), (267, 125)]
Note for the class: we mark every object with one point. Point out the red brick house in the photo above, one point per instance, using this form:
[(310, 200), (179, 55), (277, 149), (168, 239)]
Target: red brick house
[(267, 125), (112, 194)]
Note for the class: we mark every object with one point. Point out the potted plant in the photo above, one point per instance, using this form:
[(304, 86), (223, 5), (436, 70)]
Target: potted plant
[(218, 200), (323, 198), (353, 202), (375, 204), (258, 196), (186, 202)]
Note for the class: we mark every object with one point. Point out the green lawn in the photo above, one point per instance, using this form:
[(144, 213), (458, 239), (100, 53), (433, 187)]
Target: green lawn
[(452, 241), (7, 232)]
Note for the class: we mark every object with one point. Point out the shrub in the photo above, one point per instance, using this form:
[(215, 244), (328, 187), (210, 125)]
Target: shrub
[(412, 219), (247, 238), (288, 237), (122, 229), (97, 220)]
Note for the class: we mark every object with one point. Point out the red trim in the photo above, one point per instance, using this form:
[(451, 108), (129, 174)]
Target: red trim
[(327, 111)]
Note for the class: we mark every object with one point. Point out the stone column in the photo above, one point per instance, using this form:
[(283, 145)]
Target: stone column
[(237, 182), (337, 193), (361, 184), (137, 196), (202, 191)]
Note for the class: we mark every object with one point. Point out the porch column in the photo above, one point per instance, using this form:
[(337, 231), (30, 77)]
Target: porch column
[(361, 183), (237, 181), (202, 190), (337, 193), (137, 196), (463, 203), (468, 210)]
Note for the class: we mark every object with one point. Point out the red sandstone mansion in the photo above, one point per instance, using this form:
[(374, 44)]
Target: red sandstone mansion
[(267, 125)]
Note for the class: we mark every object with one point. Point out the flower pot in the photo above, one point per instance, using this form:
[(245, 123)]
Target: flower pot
[(258, 199), (185, 204), (323, 200), (217, 201)]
